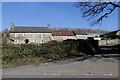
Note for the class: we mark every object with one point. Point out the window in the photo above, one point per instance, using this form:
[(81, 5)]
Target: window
[(34, 35), (42, 35), (16, 41), (16, 35), (41, 41), (24, 35), (35, 41)]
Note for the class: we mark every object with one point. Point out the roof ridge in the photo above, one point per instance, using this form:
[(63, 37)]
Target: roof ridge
[(63, 31), (29, 27)]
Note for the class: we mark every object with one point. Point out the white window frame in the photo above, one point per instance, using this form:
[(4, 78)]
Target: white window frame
[(41, 41), (24, 35), (16, 34), (35, 41), (16, 41), (42, 35), (34, 34)]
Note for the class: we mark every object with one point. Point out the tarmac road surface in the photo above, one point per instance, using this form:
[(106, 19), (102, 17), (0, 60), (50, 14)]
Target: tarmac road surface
[(94, 66), (97, 66)]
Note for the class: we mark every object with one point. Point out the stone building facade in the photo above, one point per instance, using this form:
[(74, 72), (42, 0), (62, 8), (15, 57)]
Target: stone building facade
[(80, 35), (63, 35), (32, 37), (21, 34), (27, 34)]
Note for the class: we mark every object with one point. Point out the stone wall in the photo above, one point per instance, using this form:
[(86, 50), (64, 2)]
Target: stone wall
[(81, 36), (61, 38), (113, 41)]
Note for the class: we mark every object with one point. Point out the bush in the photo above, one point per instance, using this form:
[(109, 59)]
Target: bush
[(53, 41), (20, 54)]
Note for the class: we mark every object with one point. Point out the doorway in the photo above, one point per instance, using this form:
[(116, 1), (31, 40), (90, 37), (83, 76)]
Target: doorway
[(26, 41)]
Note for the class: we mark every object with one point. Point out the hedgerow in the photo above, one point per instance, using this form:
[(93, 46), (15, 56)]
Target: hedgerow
[(22, 54)]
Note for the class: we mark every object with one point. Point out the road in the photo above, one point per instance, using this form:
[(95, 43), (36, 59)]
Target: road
[(97, 66)]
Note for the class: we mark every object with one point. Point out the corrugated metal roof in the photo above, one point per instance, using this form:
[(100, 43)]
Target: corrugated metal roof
[(21, 29), (63, 33)]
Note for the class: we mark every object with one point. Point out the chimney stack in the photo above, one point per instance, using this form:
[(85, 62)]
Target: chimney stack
[(48, 25), (12, 25)]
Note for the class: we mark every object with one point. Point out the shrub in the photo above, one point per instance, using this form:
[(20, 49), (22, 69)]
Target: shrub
[(20, 54), (53, 41)]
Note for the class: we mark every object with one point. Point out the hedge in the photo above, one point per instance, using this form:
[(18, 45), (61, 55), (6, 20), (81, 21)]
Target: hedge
[(21, 54)]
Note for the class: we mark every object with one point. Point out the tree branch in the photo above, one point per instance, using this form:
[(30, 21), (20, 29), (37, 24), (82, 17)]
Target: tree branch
[(94, 9)]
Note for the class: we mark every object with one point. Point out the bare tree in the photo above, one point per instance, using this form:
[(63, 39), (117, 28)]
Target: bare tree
[(5, 36), (97, 11)]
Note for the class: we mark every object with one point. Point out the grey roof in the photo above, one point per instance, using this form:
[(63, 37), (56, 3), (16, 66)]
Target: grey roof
[(112, 33), (79, 33), (94, 33), (86, 33), (21, 29)]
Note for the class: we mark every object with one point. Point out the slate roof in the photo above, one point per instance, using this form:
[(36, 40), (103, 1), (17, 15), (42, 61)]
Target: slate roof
[(22, 29), (94, 33), (113, 33), (63, 33), (79, 33)]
